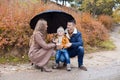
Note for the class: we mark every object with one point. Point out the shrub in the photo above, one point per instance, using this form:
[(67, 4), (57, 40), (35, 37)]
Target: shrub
[(94, 31), (106, 20), (15, 31), (108, 45)]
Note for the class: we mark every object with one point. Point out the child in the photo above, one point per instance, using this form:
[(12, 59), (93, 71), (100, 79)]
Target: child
[(61, 42)]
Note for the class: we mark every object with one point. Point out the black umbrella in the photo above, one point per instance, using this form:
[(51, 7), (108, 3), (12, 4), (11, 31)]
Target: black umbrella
[(54, 18)]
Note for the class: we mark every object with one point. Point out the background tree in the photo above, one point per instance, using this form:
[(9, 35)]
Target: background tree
[(76, 3), (117, 4), (45, 1), (64, 1), (97, 7), (56, 1), (116, 15)]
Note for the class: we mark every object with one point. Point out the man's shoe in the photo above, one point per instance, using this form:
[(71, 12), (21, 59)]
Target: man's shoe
[(83, 68)]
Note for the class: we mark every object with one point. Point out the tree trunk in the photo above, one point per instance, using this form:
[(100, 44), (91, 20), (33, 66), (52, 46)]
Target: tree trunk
[(57, 1), (63, 2)]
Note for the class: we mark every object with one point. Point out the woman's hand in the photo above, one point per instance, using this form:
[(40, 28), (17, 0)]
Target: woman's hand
[(59, 46), (55, 41)]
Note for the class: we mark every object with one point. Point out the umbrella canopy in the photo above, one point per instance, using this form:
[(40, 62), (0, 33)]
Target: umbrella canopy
[(54, 18)]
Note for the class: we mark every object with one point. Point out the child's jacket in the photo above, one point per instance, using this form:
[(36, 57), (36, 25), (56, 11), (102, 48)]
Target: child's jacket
[(64, 42)]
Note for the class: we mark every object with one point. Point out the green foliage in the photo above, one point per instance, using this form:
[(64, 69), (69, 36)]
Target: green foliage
[(34, 1), (116, 16), (97, 7)]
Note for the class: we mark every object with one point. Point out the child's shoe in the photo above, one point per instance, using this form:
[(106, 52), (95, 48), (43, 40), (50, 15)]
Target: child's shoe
[(68, 67)]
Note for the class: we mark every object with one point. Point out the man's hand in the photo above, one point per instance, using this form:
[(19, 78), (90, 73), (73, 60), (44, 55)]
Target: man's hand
[(69, 44)]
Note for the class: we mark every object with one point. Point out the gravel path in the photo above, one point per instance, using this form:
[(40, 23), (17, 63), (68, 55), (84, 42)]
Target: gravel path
[(104, 65)]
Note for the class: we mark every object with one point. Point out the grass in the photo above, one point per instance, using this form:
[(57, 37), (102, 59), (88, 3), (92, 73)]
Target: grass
[(102, 46), (16, 60), (90, 49), (107, 45), (119, 32), (13, 59)]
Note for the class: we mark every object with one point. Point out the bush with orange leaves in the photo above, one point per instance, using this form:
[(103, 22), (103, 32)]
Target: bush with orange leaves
[(15, 31), (14, 38), (93, 31), (106, 20)]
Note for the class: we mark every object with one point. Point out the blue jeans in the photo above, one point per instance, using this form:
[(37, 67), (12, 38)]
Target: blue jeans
[(62, 54), (79, 51)]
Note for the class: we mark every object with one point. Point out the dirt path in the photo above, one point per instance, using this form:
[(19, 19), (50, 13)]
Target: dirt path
[(104, 65)]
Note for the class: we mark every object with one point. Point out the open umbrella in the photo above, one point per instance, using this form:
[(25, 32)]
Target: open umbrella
[(54, 18)]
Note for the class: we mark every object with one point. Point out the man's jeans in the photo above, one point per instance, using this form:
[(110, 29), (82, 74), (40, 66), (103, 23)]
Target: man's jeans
[(77, 52)]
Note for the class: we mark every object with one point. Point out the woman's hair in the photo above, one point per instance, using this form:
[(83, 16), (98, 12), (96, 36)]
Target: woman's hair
[(39, 28), (60, 29)]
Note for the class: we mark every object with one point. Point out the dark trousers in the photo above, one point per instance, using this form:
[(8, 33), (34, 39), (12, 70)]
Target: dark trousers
[(62, 54), (77, 52)]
